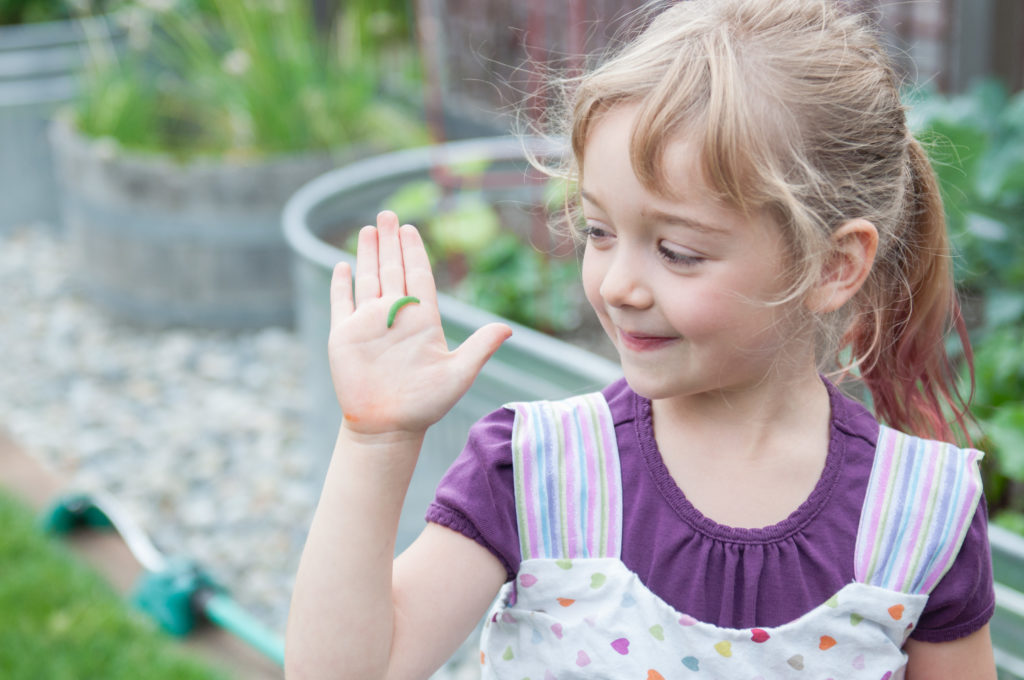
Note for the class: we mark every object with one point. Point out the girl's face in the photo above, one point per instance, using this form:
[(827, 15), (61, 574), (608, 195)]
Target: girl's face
[(680, 283)]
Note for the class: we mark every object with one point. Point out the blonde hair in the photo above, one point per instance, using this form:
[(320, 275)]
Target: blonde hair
[(796, 109)]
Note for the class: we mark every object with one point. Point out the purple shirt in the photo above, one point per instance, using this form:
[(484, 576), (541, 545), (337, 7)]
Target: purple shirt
[(731, 577)]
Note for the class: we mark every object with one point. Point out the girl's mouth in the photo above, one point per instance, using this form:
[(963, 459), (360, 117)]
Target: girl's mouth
[(640, 342)]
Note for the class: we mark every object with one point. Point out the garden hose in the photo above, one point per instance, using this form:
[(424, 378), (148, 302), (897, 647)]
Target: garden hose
[(176, 592)]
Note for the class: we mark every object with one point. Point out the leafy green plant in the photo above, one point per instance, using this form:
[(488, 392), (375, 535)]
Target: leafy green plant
[(485, 262), (13, 12), (977, 145), (62, 620), (235, 78), (376, 26), (30, 11), (999, 408)]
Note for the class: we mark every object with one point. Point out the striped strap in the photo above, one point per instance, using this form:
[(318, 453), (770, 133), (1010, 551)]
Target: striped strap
[(921, 498), (567, 482)]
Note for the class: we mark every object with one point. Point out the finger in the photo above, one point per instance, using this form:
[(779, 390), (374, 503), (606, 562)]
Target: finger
[(367, 278), (341, 293), (392, 271), (419, 279), (474, 352)]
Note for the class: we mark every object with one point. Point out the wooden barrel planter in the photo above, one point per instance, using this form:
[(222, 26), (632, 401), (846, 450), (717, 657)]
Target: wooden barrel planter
[(530, 365), (159, 243), (38, 67)]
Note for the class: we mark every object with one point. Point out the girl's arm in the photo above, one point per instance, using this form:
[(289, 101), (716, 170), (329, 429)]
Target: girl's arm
[(968, 657), (353, 612)]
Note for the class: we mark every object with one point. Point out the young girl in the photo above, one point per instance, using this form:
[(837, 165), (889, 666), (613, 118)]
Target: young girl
[(752, 203)]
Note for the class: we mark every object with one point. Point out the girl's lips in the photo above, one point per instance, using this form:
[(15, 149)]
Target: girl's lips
[(639, 342)]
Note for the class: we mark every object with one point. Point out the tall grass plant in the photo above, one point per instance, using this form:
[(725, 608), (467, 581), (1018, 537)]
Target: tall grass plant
[(239, 79)]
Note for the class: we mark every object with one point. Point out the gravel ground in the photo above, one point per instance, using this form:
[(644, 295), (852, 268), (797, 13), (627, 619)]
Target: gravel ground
[(196, 433)]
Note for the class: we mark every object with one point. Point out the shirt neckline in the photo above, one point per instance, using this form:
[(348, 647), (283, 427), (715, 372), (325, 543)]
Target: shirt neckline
[(773, 533)]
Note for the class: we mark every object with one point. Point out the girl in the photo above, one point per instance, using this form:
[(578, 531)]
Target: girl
[(752, 203)]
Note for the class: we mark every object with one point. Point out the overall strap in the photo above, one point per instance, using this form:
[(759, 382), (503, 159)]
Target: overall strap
[(921, 498), (568, 486)]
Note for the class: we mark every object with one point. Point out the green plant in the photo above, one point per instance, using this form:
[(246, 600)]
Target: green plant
[(520, 283), (30, 11), (977, 145), (236, 78), (14, 12), (976, 141), (62, 620), (378, 25), (999, 408), (485, 261)]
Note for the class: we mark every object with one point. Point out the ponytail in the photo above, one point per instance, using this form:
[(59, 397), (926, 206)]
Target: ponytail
[(910, 305)]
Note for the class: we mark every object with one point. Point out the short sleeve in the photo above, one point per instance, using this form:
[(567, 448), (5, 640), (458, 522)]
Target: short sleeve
[(964, 600), (476, 496)]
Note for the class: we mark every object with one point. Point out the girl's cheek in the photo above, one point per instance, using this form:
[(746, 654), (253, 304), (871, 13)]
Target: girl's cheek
[(591, 275)]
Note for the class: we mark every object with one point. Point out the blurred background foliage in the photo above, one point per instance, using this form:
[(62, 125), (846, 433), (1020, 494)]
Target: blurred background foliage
[(248, 78), (498, 256), (14, 12), (976, 140)]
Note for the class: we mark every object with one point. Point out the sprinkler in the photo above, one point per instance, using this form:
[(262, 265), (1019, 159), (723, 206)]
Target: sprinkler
[(176, 592)]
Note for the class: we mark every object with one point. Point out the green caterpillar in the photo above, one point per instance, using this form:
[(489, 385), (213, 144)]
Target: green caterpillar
[(399, 303)]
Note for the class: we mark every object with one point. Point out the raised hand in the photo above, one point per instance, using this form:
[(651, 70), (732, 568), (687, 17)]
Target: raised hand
[(400, 379)]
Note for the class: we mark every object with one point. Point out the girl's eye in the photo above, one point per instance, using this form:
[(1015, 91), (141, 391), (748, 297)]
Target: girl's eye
[(594, 232), (678, 257)]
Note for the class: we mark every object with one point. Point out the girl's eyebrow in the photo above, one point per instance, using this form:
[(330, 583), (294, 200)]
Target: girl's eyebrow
[(666, 218)]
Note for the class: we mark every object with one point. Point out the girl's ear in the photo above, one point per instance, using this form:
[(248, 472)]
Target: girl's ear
[(854, 245)]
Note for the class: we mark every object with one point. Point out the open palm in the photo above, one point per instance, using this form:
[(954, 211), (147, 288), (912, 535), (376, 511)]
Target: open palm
[(403, 378)]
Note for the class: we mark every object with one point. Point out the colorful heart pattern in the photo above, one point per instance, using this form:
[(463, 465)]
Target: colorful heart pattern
[(725, 648)]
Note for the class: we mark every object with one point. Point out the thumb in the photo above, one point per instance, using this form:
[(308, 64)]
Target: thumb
[(474, 352)]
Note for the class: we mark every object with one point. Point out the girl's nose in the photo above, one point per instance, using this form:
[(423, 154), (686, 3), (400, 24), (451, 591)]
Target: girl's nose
[(624, 283)]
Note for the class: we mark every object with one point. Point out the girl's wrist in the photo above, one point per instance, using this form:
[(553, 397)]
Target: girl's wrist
[(383, 460), (382, 442)]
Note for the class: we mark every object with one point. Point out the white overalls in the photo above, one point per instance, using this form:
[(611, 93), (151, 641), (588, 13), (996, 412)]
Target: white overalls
[(575, 611)]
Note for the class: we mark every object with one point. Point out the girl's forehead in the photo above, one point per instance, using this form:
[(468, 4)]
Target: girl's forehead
[(611, 182), (681, 174)]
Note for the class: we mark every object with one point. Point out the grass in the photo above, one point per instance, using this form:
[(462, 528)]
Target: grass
[(59, 619)]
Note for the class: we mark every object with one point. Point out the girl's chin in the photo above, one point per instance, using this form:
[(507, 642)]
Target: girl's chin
[(653, 385)]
